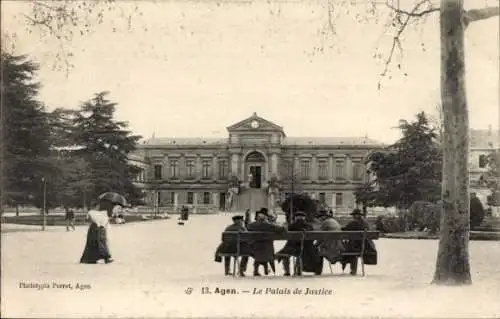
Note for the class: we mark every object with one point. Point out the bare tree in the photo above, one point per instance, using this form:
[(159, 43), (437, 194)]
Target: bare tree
[(452, 265), (59, 19)]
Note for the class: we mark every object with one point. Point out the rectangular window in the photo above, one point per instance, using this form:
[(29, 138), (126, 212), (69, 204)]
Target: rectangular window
[(172, 198), (483, 161), (339, 199), (206, 198), (305, 169), (339, 170), (174, 168), (206, 164), (322, 198), (223, 169), (322, 169), (357, 171), (190, 198), (190, 169), (158, 172)]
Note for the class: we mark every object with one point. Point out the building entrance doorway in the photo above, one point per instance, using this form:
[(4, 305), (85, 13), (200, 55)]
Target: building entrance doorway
[(256, 173), (255, 164), (222, 202)]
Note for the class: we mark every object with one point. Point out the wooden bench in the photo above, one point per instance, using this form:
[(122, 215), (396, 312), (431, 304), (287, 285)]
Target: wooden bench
[(299, 236)]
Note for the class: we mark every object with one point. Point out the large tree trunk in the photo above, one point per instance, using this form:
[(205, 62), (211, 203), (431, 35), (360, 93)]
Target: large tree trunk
[(452, 266)]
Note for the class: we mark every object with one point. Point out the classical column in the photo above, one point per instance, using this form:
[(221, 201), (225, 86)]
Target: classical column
[(314, 168), (274, 164), (165, 168), (331, 168), (181, 167), (334, 204), (215, 200), (234, 165), (198, 167), (242, 170), (215, 168), (296, 164), (176, 200), (265, 173), (348, 168)]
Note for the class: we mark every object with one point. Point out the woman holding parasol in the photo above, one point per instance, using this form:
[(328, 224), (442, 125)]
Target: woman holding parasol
[(97, 244)]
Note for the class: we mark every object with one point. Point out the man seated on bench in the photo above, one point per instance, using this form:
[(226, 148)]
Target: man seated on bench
[(310, 259), (230, 248), (353, 247), (263, 250), (330, 249)]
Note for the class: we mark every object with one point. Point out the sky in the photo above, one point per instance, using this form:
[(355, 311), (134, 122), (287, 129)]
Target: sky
[(190, 69)]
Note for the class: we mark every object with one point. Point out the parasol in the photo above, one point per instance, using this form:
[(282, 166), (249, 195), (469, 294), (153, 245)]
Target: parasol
[(114, 198)]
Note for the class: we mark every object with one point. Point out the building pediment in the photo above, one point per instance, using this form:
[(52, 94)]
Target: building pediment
[(255, 123)]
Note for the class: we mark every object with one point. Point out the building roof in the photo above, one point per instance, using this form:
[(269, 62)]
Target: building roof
[(330, 141), (304, 141), (186, 141), (484, 139)]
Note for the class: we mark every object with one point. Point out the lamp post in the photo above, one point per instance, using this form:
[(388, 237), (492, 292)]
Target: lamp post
[(44, 215), (250, 178)]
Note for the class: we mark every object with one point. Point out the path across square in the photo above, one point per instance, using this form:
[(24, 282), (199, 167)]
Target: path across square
[(158, 261)]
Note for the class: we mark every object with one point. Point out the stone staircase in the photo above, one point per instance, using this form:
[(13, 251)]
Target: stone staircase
[(252, 198)]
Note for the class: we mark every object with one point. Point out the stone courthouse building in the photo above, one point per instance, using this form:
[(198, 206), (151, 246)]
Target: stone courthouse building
[(255, 166)]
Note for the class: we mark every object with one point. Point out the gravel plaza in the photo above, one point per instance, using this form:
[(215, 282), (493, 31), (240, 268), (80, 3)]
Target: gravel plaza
[(162, 268)]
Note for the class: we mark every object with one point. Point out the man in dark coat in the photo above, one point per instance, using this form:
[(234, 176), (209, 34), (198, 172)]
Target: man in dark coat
[(263, 250), (311, 261), (370, 256), (231, 247), (184, 213), (70, 219)]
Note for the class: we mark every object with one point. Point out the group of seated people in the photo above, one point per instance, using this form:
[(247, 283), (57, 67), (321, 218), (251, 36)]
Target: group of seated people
[(310, 253)]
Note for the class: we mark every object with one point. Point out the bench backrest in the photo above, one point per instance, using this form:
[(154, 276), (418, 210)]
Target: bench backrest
[(297, 235)]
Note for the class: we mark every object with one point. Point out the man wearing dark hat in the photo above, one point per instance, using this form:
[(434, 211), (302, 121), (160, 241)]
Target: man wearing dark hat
[(230, 247), (358, 223), (309, 256), (263, 250)]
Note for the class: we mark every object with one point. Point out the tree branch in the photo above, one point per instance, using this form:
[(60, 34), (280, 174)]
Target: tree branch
[(412, 13), (396, 41), (481, 14)]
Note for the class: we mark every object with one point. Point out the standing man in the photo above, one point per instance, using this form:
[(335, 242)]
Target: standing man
[(263, 250), (70, 219)]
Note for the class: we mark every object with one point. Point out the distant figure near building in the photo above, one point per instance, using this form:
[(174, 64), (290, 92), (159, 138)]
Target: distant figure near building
[(70, 219), (184, 213)]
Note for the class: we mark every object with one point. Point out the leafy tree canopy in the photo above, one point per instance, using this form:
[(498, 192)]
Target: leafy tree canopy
[(407, 171)]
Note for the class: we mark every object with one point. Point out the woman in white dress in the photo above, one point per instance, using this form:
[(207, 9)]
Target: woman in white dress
[(97, 245)]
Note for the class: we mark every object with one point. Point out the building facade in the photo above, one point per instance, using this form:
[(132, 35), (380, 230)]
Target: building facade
[(255, 166), (482, 144)]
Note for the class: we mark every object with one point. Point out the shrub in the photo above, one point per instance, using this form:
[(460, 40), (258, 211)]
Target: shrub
[(389, 224), (477, 212), (424, 216)]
